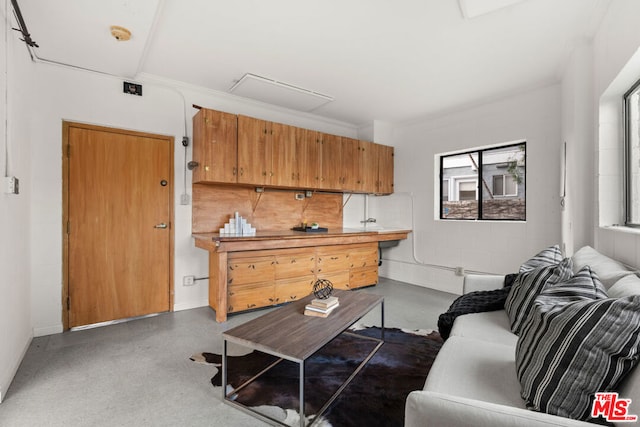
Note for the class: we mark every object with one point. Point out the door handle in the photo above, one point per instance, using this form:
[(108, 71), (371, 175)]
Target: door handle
[(161, 225)]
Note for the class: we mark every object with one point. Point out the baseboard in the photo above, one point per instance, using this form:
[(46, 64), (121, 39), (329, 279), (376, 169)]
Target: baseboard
[(6, 382), (191, 304), (48, 330)]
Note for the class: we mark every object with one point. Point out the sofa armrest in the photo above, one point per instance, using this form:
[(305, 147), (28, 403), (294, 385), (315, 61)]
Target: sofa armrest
[(427, 408), (482, 282)]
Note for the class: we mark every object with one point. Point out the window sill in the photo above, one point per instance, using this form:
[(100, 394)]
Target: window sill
[(622, 229)]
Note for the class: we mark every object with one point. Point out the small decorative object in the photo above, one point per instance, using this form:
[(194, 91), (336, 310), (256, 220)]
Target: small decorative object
[(315, 225), (237, 226), (322, 289)]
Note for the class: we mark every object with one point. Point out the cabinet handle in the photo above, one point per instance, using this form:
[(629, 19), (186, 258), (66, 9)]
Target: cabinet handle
[(241, 171), (235, 171), (270, 173), (264, 173)]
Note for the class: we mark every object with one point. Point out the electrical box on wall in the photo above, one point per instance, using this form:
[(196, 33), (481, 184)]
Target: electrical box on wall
[(132, 88), (11, 185)]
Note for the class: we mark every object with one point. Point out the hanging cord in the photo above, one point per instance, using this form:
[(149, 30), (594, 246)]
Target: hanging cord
[(6, 88)]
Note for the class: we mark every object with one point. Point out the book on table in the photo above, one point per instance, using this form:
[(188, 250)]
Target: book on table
[(324, 303), (320, 308)]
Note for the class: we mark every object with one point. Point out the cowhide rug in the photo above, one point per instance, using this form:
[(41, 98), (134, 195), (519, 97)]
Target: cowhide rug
[(376, 396)]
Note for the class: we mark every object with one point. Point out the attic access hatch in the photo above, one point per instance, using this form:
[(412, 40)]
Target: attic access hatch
[(278, 93)]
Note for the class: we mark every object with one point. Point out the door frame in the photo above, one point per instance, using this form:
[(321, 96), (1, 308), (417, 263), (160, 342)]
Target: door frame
[(66, 125)]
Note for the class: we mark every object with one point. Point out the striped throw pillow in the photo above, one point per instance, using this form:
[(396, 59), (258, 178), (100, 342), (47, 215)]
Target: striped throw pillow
[(568, 352), (549, 256), (526, 288), (584, 285)]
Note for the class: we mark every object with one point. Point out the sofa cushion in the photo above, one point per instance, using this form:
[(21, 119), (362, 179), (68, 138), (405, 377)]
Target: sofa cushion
[(491, 326), (475, 369), (527, 287), (626, 287), (568, 352), (549, 256), (609, 271), (584, 285)]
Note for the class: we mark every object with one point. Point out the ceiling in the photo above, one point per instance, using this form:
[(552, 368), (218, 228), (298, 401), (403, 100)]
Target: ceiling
[(377, 59)]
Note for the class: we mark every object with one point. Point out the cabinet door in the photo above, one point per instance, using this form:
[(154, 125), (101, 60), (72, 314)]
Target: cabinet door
[(215, 146), (283, 171), (385, 169), (350, 165), (244, 271), (332, 169), (293, 289), (308, 146), (367, 167), (254, 149)]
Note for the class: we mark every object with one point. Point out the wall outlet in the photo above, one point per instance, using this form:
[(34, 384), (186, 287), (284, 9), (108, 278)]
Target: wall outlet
[(11, 185), (299, 196), (185, 199), (459, 271), (189, 280)]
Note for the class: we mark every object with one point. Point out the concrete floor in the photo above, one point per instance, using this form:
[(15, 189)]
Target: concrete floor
[(138, 373)]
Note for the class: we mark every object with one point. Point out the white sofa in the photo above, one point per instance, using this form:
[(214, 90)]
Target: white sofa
[(473, 380)]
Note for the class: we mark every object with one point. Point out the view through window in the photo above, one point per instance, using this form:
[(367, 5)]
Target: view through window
[(632, 149), (486, 184)]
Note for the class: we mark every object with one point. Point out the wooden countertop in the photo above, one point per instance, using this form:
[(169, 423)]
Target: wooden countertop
[(214, 242)]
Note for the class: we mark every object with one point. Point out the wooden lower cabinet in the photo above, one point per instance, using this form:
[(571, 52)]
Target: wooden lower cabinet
[(255, 279)]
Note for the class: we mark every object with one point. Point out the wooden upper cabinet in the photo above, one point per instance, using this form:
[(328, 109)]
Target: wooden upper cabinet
[(246, 150), (253, 151), (215, 136), (385, 169)]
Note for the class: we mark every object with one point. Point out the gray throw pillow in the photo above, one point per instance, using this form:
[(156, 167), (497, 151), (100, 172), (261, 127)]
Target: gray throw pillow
[(571, 351), (528, 286), (584, 285)]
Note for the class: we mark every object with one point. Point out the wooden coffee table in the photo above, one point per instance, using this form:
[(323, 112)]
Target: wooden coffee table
[(290, 335)]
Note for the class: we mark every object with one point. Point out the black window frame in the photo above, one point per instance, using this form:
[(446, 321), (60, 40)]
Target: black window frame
[(481, 190), (628, 220)]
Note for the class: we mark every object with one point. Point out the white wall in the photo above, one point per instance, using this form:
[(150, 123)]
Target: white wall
[(616, 68), (495, 247), (15, 307), (59, 94)]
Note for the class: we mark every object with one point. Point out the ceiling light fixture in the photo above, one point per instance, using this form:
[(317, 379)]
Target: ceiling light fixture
[(279, 93), (120, 33)]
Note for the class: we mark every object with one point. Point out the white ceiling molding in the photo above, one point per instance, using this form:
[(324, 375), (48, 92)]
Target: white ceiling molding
[(279, 93), (474, 8)]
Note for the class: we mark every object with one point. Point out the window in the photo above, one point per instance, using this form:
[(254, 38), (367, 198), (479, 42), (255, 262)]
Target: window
[(487, 184), (505, 185), (632, 153)]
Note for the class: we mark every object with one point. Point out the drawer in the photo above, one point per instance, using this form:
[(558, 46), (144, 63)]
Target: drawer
[(293, 289), (240, 298), (340, 279), (333, 262), (295, 265), (251, 270), (364, 257), (363, 277)]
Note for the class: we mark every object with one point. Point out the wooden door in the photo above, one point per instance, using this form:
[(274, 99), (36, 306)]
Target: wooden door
[(253, 151), (215, 146), (350, 164), (119, 198)]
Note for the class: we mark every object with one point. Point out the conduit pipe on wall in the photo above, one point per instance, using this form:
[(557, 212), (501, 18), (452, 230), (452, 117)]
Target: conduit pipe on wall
[(414, 240)]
